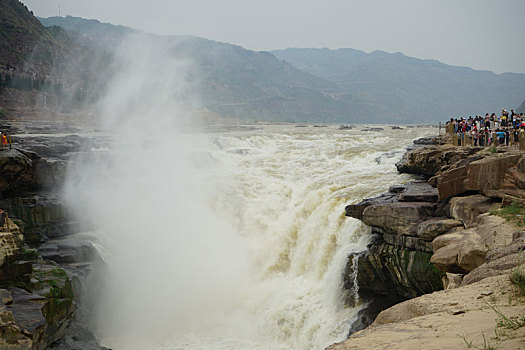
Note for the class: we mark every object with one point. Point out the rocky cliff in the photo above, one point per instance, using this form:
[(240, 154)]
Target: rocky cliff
[(443, 231), (41, 263), (36, 295)]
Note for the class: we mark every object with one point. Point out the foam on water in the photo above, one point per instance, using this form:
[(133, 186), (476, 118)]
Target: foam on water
[(238, 250)]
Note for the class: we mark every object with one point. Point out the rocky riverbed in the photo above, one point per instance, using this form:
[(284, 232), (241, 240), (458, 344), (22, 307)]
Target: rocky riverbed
[(444, 231)]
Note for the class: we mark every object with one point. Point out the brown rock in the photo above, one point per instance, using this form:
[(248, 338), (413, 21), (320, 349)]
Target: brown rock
[(446, 259), (467, 209), (495, 231), (10, 246), (429, 160), (488, 173), (461, 253), (402, 218), (521, 165), (444, 240), (480, 172), (516, 246), (430, 229), (471, 253), (464, 251), (356, 210), (493, 268), (427, 322), (452, 281), (451, 182), (418, 192)]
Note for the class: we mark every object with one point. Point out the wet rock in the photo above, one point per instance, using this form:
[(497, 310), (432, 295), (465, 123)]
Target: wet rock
[(11, 245), (36, 319), (368, 314), (393, 271), (356, 210), (23, 172), (73, 249), (426, 141), (78, 337), (16, 169), (346, 127), (372, 129), (43, 217), (51, 147), (409, 242)]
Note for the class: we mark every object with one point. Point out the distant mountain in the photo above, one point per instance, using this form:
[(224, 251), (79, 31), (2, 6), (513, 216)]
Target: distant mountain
[(303, 85), (233, 81), (402, 88)]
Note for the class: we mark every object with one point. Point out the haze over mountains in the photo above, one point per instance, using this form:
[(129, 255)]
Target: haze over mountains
[(398, 86), (321, 85), (301, 85)]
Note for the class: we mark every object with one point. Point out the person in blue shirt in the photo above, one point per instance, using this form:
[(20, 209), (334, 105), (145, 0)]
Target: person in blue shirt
[(501, 137)]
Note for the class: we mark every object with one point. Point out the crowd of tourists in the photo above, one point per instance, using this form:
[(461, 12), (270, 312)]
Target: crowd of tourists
[(507, 129)]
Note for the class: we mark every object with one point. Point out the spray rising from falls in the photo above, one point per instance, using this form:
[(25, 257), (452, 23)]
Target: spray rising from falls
[(224, 240), (167, 255)]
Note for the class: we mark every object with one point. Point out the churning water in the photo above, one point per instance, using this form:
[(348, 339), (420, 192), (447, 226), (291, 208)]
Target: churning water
[(233, 239)]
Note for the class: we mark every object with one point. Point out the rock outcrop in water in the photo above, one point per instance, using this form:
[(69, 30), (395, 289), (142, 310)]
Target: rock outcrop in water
[(439, 234)]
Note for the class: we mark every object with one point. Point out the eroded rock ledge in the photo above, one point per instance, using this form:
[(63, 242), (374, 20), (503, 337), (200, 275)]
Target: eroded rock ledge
[(437, 232), (41, 262)]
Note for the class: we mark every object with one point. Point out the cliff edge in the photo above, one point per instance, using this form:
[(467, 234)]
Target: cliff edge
[(460, 228)]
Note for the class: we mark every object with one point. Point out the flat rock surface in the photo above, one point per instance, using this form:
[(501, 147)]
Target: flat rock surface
[(440, 320)]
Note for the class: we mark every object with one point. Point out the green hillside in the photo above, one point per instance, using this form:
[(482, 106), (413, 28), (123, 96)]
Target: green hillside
[(43, 67), (25, 44)]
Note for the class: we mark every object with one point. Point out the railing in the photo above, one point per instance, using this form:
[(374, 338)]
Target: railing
[(488, 140)]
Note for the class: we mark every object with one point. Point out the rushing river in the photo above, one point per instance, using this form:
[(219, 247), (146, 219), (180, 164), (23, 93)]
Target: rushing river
[(230, 239)]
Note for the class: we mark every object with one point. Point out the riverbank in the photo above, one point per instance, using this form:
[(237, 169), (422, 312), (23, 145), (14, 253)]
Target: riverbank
[(460, 228)]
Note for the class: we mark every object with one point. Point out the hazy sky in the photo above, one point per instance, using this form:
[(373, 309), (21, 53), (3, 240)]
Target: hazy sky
[(483, 34)]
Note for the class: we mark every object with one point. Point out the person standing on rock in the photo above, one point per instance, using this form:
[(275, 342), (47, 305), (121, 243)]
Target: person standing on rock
[(4, 141)]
